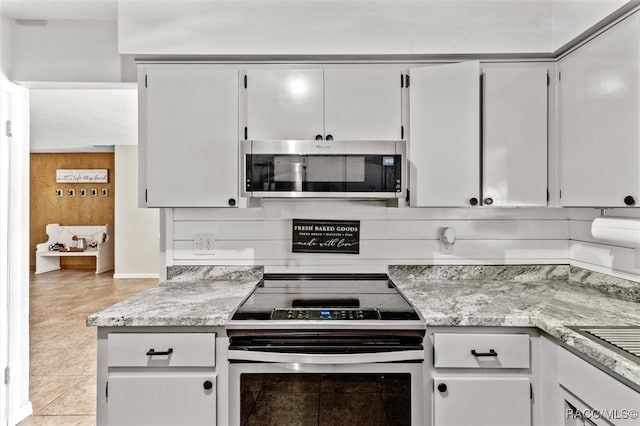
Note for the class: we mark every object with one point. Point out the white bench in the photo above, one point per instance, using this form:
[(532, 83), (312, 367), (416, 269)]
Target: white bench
[(100, 235)]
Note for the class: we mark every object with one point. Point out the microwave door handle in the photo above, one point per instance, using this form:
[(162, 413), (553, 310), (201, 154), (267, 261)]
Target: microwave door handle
[(355, 358)]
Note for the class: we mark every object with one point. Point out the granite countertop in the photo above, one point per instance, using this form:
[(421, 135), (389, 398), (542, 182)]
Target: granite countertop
[(549, 303), (195, 303), (194, 298), (546, 299)]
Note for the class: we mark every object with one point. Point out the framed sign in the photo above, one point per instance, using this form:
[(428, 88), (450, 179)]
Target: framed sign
[(325, 236), (82, 176)]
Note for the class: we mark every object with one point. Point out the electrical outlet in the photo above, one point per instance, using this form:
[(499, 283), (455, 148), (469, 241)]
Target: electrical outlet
[(72, 192), (59, 192), (83, 192), (104, 192), (94, 192), (203, 243)]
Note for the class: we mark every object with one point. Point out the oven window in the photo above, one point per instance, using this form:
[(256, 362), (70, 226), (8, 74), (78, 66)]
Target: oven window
[(325, 399)]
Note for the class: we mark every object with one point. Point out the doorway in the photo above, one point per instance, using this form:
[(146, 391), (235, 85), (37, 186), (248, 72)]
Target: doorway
[(72, 203)]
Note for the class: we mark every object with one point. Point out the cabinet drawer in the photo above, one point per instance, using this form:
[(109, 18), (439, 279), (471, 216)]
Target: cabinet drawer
[(457, 350), (172, 350)]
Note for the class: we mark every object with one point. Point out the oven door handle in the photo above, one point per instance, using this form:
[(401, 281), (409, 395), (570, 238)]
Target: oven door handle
[(356, 358)]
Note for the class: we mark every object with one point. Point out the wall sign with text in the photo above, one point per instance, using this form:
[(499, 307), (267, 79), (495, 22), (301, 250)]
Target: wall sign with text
[(82, 176), (326, 236)]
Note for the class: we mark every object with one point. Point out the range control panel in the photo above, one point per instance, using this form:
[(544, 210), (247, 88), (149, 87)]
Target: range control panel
[(325, 314)]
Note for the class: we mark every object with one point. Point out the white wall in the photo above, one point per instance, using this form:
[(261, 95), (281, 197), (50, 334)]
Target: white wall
[(5, 48), (596, 255), (14, 250), (15, 273), (333, 27), (68, 50), (262, 236), (74, 119), (572, 17), (137, 230)]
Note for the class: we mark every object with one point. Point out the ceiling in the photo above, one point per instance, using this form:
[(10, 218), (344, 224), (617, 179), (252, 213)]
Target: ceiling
[(107, 9), (102, 10)]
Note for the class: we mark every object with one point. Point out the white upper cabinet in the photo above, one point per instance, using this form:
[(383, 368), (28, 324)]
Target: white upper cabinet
[(444, 151), (285, 104), (362, 104), (340, 104), (514, 149), (189, 129), (599, 92)]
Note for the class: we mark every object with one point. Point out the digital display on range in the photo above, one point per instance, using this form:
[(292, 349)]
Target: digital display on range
[(325, 314)]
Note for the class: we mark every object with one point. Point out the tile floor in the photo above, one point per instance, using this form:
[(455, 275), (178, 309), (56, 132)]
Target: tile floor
[(62, 348)]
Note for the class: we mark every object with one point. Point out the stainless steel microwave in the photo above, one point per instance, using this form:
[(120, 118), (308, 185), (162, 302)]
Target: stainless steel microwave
[(324, 169)]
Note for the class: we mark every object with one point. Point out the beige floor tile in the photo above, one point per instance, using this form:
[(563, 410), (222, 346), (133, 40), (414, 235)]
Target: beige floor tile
[(45, 389), (62, 348), (59, 421), (79, 400), (80, 363)]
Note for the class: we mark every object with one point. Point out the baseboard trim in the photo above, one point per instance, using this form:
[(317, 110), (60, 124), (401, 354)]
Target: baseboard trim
[(20, 414), (135, 276)]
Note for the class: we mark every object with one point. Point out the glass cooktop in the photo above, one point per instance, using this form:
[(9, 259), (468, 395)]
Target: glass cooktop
[(326, 297)]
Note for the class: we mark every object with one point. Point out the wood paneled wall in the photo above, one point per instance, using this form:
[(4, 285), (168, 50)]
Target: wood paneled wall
[(47, 207)]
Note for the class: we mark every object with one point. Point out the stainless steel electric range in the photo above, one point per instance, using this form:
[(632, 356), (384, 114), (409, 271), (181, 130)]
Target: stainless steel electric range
[(362, 301), (296, 340)]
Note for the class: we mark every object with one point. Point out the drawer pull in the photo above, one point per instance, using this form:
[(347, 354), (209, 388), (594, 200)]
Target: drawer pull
[(153, 352), (478, 354)]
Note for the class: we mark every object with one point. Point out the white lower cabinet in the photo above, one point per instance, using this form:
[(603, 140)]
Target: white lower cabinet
[(482, 401), (482, 376), (157, 379), (156, 399), (592, 397)]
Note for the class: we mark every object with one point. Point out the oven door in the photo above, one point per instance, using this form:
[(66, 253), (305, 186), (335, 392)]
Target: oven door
[(300, 393)]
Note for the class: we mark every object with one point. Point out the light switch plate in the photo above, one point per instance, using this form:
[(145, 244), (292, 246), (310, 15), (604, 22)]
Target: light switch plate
[(203, 243)]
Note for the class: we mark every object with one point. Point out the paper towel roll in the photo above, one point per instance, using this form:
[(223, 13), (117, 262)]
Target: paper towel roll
[(618, 230)]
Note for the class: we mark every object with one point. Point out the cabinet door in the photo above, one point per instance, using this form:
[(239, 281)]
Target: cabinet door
[(284, 104), (599, 128), (191, 136), (444, 147), (157, 399), (363, 104), (482, 401), (515, 136)]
